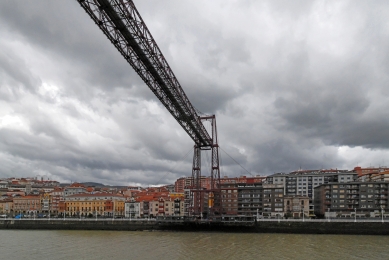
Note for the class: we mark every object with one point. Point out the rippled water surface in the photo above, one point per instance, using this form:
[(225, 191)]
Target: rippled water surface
[(17, 244)]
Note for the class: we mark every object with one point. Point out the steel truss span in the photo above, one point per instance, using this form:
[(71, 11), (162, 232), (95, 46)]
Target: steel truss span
[(121, 23)]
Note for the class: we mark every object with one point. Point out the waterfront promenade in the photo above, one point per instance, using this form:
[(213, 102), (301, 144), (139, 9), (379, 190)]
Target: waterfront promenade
[(292, 226)]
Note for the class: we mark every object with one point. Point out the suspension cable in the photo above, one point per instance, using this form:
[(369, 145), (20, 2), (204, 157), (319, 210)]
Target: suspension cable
[(236, 162)]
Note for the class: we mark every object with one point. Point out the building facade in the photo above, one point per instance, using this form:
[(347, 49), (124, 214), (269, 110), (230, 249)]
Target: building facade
[(99, 204), (296, 206), (303, 182), (355, 198)]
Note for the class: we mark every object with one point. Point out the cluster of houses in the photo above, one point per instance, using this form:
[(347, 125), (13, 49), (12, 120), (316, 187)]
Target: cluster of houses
[(32, 198), (361, 192)]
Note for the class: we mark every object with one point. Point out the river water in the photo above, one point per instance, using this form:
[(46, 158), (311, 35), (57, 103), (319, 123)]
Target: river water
[(22, 244)]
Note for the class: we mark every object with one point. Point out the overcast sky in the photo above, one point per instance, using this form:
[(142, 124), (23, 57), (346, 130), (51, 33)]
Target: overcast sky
[(293, 84)]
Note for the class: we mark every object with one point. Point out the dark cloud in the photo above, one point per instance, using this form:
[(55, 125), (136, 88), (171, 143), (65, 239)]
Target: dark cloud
[(297, 84), (15, 73)]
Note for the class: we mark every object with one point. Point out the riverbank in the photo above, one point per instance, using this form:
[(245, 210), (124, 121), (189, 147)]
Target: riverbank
[(274, 226)]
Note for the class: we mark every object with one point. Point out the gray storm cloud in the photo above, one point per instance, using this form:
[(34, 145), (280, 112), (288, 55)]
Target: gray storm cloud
[(293, 84)]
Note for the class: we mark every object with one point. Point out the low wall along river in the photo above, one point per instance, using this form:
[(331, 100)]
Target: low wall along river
[(366, 227)]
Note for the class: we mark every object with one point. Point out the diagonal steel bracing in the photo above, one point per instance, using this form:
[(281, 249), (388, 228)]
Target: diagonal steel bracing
[(121, 23)]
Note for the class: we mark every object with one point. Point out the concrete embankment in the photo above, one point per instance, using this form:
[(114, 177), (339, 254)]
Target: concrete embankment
[(307, 227)]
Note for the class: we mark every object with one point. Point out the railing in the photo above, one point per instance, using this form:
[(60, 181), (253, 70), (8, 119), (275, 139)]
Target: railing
[(358, 219), (352, 219)]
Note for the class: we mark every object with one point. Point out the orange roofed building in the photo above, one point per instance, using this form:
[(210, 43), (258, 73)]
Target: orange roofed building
[(100, 204), (372, 173), (27, 205)]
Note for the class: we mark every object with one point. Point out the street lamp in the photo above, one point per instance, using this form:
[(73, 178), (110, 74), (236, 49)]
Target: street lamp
[(355, 214), (113, 210), (382, 214)]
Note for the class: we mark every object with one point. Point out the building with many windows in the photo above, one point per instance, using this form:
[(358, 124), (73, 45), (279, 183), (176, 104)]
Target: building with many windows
[(100, 204), (303, 182), (346, 199), (229, 198), (253, 199), (185, 182), (6, 206), (29, 205)]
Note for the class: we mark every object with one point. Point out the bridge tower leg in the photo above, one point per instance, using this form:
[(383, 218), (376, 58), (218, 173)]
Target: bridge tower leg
[(197, 200), (216, 208), (203, 197)]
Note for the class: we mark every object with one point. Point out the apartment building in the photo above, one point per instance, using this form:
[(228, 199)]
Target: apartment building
[(203, 200), (186, 182), (344, 199), (57, 195), (6, 206), (27, 204), (303, 182), (69, 191), (132, 209), (260, 199), (372, 174), (100, 204), (229, 198)]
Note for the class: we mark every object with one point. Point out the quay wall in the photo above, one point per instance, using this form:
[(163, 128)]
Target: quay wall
[(295, 227)]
